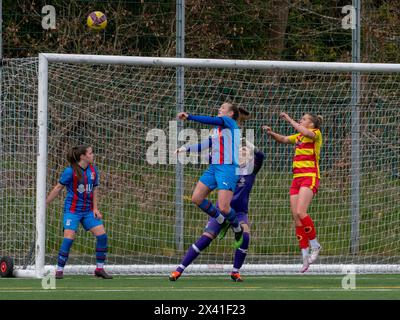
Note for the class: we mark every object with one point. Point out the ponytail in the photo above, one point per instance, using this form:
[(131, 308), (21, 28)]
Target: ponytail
[(243, 115), (74, 156), (316, 120)]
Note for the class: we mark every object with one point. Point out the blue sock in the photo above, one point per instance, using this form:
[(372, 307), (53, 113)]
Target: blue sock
[(64, 253), (232, 218), (209, 208), (194, 251), (240, 254), (101, 250)]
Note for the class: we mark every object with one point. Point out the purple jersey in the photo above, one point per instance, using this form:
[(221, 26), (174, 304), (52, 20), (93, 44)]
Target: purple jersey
[(241, 197), (79, 192)]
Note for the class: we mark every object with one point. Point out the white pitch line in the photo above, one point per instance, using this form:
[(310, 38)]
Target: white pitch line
[(197, 290)]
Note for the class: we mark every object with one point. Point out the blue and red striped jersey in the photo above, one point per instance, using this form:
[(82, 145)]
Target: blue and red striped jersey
[(224, 140), (79, 193)]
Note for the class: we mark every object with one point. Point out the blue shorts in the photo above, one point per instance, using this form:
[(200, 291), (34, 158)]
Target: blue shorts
[(220, 176), (71, 220), (214, 227)]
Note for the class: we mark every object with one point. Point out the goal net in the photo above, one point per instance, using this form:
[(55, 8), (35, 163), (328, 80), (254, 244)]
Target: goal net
[(116, 104)]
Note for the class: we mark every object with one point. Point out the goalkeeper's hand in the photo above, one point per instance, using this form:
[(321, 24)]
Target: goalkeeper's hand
[(248, 144), (181, 149), (268, 129)]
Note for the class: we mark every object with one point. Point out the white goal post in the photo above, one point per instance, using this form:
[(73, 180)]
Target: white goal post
[(111, 102)]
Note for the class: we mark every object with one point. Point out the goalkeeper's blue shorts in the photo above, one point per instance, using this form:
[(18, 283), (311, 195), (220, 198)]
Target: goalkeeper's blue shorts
[(87, 218), (220, 176)]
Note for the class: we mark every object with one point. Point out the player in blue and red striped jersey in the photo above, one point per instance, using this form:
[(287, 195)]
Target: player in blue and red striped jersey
[(80, 206), (251, 161), (222, 171)]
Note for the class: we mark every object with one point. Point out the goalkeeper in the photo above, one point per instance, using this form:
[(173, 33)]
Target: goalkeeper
[(251, 161)]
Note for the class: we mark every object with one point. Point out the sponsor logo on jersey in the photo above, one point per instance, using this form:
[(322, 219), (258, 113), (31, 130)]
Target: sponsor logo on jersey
[(81, 188)]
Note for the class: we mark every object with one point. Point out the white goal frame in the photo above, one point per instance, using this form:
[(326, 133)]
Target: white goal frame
[(39, 269)]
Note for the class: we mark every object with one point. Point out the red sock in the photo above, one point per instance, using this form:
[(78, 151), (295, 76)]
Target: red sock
[(309, 228), (302, 238)]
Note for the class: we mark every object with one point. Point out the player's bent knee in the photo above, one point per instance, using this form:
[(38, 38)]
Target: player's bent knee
[(300, 214), (224, 209), (69, 234), (196, 200), (98, 231), (297, 221)]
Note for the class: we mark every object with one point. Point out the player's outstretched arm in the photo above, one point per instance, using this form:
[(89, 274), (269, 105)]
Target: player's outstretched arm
[(199, 147), (54, 193), (297, 126), (216, 121), (277, 137)]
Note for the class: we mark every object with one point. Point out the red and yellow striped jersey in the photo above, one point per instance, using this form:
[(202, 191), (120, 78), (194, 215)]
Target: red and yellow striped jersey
[(307, 151)]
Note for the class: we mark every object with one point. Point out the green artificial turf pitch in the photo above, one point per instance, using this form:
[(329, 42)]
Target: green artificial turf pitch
[(290, 287)]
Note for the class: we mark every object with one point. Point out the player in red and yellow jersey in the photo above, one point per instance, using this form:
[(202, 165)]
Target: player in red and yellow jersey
[(306, 175)]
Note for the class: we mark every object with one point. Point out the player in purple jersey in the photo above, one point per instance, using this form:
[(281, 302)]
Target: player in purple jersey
[(251, 161), (81, 179), (221, 173)]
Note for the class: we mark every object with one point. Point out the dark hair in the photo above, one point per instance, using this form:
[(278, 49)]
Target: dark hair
[(234, 108), (316, 120), (74, 156), (243, 114)]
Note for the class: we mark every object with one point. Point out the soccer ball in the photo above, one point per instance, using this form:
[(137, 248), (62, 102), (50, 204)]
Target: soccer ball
[(97, 20)]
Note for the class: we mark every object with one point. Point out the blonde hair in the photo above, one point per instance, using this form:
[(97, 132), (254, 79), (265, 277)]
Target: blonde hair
[(316, 120)]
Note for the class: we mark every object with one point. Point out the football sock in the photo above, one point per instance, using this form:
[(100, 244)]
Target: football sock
[(240, 254), (194, 251), (302, 237), (309, 228), (211, 210), (101, 250), (64, 253)]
